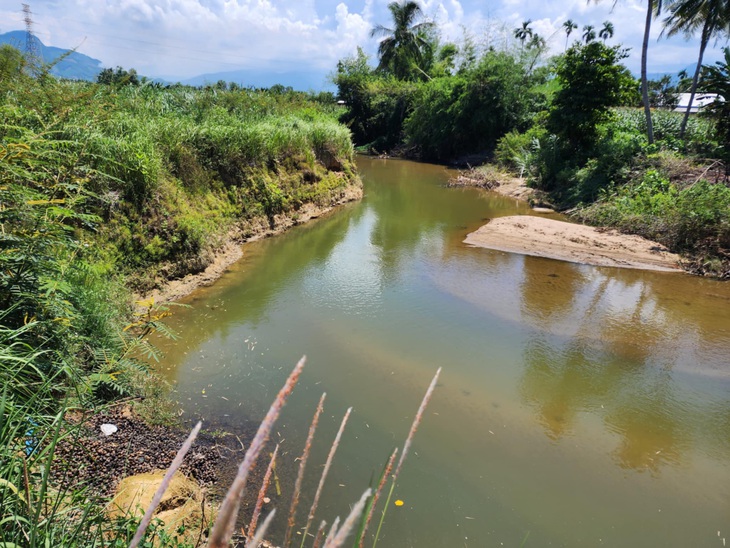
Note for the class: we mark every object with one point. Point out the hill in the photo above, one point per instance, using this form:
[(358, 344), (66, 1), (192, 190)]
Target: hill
[(76, 66)]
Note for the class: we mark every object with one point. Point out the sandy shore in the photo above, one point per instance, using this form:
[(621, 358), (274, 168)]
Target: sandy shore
[(231, 250), (564, 241)]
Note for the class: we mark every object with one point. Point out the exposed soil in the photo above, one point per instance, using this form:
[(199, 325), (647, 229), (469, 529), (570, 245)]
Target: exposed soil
[(576, 243), (86, 456), (231, 250)]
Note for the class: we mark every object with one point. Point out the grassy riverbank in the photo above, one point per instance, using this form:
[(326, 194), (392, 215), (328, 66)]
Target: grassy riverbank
[(109, 189)]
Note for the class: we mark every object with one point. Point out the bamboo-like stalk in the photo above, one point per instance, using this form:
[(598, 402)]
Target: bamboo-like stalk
[(406, 447), (320, 535), (300, 473), (327, 465), (223, 527), (342, 533), (260, 499), (376, 497), (259, 536), (176, 462)]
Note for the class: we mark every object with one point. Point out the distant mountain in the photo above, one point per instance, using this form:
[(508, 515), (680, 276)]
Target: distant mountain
[(299, 80), (76, 66)]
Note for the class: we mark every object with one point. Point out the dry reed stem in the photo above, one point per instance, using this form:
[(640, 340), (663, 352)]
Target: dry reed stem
[(344, 531), (333, 530), (259, 536), (327, 465), (320, 535), (376, 497), (176, 462), (416, 422), (262, 495), (300, 474), (223, 528)]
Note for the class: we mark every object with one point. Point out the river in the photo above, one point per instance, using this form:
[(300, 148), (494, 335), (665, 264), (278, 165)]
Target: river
[(578, 406)]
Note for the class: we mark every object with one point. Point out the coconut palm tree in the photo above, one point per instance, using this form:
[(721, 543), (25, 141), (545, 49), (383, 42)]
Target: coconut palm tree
[(523, 33), (569, 26), (401, 48), (712, 18), (589, 34), (606, 32)]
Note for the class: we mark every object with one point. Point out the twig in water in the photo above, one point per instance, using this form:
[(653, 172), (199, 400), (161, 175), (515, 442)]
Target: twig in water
[(300, 474), (327, 465), (320, 535), (223, 528), (176, 462)]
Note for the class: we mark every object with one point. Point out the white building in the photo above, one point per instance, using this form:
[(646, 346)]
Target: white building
[(700, 101)]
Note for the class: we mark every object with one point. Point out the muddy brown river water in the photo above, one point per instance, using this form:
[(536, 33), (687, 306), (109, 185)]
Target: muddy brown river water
[(578, 405)]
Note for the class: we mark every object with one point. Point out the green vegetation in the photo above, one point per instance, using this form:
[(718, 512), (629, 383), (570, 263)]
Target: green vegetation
[(106, 188), (570, 124)]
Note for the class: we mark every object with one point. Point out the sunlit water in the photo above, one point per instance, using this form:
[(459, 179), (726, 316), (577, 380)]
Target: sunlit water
[(578, 406)]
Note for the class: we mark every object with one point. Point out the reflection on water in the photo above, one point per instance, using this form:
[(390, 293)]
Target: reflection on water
[(582, 405)]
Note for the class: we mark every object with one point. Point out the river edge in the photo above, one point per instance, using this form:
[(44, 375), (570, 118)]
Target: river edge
[(561, 240), (231, 248)]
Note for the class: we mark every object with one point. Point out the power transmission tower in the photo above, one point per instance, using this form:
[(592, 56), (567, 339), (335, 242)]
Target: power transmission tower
[(31, 51)]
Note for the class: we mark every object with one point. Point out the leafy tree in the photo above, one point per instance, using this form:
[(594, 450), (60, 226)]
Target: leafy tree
[(401, 50), (589, 34), (119, 77), (662, 94), (592, 82), (569, 26), (523, 33), (12, 62), (606, 31), (712, 17), (716, 79)]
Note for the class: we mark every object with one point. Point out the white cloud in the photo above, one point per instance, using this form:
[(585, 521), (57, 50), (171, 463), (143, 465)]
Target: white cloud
[(187, 37)]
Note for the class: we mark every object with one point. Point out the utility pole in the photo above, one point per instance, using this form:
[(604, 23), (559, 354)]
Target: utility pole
[(31, 51)]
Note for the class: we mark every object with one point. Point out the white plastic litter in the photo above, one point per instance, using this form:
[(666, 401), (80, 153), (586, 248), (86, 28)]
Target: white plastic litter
[(108, 429)]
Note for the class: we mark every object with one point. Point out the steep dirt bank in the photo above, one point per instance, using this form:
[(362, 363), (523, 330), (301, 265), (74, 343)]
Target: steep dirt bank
[(231, 250)]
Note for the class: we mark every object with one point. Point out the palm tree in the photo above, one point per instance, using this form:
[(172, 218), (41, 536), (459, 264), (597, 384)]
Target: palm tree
[(401, 49), (589, 34), (569, 26), (606, 32), (523, 33), (687, 16)]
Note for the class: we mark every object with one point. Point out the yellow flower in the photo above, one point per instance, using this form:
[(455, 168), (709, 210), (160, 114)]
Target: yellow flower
[(399, 502)]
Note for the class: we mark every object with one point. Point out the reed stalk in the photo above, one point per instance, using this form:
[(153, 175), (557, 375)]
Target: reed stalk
[(259, 536), (342, 533), (224, 525), (327, 465), (406, 447), (262, 495), (300, 473), (376, 497), (320, 535), (176, 463)]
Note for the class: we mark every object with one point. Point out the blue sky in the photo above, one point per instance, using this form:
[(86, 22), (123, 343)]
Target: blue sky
[(182, 38)]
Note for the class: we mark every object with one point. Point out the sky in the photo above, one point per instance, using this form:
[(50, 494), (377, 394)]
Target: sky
[(177, 39)]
